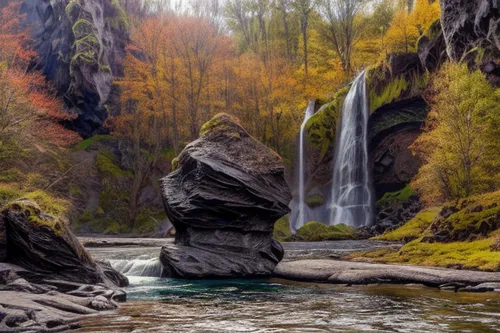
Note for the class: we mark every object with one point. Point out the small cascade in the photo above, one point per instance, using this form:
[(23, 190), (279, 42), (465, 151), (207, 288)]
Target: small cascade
[(299, 216), (351, 199), (138, 267)]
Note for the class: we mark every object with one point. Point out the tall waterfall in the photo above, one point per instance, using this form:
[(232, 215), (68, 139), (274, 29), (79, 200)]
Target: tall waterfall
[(351, 199), (299, 216)]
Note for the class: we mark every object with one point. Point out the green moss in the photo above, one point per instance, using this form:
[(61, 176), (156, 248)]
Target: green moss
[(119, 20), (397, 197), (106, 166), (214, 124), (384, 89), (412, 229), (73, 8), (320, 128), (8, 193), (317, 231), (11, 175), (35, 180), (175, 163), (92, 140), (475, 218), (49, 204), (315, 200), (463, 255), (282, 229), (470, 237)]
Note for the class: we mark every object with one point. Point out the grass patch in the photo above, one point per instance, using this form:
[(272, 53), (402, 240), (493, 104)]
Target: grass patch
[(8, 193), (412, 229), (476, 255)]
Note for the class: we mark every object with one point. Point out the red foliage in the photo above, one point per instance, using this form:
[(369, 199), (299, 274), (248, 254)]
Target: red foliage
[(32, 99)]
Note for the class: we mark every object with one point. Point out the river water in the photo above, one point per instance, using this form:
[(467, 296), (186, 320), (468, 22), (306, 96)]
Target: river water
[(270, 306)]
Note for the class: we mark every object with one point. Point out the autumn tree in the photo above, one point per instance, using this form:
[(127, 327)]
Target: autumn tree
[(406, 27), (341, 27), (459, 146)]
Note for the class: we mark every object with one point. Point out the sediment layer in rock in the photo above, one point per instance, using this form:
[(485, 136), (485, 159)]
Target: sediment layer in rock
[(223, 200)]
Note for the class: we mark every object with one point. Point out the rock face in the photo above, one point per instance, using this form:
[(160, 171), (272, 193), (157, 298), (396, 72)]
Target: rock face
[(223, 200), (81, 46), (470, 24), (45, 246)]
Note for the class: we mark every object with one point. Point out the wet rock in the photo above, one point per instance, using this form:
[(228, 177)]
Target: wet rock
[(223, 200), (482, 288), (343, 272)]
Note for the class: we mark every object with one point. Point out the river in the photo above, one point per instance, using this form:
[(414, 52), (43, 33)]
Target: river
[(270, 306)]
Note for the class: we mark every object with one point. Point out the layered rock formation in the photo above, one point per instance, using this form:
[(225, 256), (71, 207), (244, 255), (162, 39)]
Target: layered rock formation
[(44, 245), (47, 278), (223, 199), (81, 46)]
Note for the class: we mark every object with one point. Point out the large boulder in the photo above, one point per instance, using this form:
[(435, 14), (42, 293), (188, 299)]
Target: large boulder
[(223, 199), (45, 246)]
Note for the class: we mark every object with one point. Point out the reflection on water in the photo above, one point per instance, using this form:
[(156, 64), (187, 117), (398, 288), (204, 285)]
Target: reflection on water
[(168, 305)]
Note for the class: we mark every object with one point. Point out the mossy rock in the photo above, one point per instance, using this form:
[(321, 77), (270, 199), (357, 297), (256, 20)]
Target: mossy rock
[(412, 229), (317, 231), (398, 197), (401, 78), (470, 219), (106, 165), (315, 200), (321, 127), (282, 229)]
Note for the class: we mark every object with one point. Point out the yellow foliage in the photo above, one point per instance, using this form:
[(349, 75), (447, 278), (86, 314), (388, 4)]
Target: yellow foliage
[(460, 144), (406, 28)]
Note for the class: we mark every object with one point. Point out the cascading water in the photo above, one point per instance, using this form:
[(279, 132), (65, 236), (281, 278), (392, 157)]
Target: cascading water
[(351, 199), (299, 217)]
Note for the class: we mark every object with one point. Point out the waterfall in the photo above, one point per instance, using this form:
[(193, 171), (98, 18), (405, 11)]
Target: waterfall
[(299, 218), (138, 267), (351, 199)]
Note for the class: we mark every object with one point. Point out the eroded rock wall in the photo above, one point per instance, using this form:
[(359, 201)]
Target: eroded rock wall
[(81, 47)]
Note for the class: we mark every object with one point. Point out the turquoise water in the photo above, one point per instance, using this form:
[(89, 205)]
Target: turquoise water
[(270, 306)]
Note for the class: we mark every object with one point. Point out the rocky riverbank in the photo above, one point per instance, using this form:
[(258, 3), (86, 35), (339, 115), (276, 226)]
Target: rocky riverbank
[(48, 280)]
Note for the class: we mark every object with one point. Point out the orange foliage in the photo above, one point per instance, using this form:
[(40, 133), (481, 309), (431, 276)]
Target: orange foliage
[(28, 105)]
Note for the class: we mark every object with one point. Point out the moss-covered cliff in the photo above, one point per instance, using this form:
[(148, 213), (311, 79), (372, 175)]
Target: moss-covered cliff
[(81, 46)]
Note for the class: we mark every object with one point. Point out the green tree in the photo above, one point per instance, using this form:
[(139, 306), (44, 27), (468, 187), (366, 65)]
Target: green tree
[(459, 146)]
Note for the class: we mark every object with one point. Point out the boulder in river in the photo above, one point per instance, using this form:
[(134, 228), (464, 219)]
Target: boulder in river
[(223, 199)]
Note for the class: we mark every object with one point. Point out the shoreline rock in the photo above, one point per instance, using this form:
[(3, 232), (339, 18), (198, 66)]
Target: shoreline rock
[(48, 280), (358, 273)]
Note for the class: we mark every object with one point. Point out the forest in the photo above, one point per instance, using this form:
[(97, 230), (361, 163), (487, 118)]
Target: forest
[(183, 63)]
